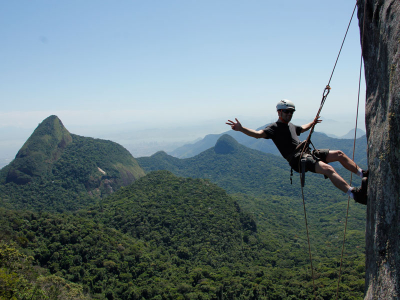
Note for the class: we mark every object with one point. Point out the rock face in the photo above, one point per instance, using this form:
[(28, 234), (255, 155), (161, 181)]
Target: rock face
[(379, 22)]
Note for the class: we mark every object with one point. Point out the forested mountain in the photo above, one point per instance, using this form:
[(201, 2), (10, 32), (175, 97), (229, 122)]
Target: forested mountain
[(320, 140), (260, 183), (230, 227), (253, 177), (70, 170), (239, 169), (166, 237), (350, 134)]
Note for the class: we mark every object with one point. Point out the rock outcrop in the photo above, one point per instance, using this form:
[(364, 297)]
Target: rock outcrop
[(379, 22)]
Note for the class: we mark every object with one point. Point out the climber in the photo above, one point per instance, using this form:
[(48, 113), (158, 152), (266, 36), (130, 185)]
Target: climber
[(285, 136)]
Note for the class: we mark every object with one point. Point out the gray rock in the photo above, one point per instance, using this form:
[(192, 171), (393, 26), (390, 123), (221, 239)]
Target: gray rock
[(381, 51)]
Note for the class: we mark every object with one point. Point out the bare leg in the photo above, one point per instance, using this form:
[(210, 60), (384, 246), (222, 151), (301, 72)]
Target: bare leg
[(337, 155), (330, 172)]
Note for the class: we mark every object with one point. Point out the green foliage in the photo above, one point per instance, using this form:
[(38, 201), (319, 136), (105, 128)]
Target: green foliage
[(82, 160), (260, 183), (20, 280), (36, 156), (193, 217), (64, 171), (169, 237), (166, 237)]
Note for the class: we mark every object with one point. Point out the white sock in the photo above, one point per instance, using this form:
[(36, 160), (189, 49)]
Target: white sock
[(359, 172), (350, 192)]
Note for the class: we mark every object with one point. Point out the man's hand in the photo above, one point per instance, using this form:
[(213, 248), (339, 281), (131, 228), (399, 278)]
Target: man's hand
[(235, 126), (306, 127), (317, 120), (250, 132)]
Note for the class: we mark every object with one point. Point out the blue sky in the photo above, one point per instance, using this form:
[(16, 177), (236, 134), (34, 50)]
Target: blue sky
[(176, 66)]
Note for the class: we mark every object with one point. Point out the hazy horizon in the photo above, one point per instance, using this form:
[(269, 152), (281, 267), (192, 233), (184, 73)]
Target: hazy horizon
[(165, 73), (145, 142)]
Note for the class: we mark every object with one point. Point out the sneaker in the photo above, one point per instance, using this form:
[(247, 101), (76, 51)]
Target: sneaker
[(365, 173), (360, 194)]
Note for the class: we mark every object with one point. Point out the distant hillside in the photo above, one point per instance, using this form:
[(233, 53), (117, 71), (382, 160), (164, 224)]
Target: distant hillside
[(237, 168), (350, 134), (56, 170), (320, 140)]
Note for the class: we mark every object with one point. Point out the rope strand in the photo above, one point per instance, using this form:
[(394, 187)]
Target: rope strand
[(354, 150), (309, 244), (306, 144)]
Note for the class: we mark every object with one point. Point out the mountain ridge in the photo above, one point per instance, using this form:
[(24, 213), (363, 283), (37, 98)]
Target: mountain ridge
[(256, 172), (185, 237), (321, 140), (77, 169)]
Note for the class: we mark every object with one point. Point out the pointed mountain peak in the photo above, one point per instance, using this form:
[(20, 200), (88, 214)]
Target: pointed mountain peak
[(226, 144), (350, 134), (42, 148), (50, 119), (50, 135), (51, 126)]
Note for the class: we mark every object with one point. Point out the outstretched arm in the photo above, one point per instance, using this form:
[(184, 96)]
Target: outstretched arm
[(306, 127), (250, 132)]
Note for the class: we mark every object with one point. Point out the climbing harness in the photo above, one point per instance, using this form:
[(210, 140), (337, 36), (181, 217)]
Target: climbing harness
[(302, 161)]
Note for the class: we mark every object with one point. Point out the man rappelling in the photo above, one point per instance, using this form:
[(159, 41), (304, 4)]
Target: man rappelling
[(284, 134)]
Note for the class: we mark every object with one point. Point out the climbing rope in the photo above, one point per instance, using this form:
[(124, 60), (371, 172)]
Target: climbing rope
[(328, 88), (354, 150), (305, 147)]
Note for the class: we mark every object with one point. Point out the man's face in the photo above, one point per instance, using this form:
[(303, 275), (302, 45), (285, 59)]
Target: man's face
[(286, 114)]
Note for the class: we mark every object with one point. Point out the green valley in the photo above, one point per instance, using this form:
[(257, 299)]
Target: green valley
[(80, 219)]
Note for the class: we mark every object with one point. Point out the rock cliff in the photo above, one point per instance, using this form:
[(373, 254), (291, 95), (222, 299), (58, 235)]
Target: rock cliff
[(379, 22)]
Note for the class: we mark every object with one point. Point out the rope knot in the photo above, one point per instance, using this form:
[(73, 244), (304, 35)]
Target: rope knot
[(326, 91)]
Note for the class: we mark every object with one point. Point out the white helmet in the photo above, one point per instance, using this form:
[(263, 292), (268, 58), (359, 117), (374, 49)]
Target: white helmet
[(285, 104)]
